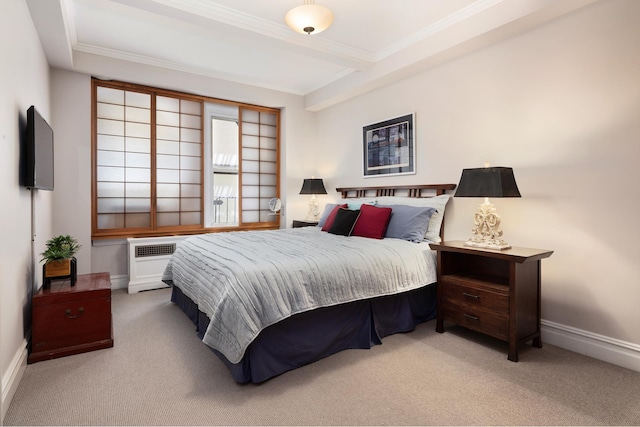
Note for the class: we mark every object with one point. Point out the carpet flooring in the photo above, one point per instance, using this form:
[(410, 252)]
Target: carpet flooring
[(159, 373)]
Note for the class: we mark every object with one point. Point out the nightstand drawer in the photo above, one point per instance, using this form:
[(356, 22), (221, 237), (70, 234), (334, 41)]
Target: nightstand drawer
[(484, 321), (467, 296)]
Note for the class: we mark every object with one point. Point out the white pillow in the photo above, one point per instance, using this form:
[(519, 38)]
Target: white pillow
[(438, 203)]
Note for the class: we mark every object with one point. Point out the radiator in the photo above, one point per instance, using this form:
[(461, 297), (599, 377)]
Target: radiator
[(148, 257)]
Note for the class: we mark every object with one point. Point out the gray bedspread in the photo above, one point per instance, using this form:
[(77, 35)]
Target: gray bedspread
[(245, 281)]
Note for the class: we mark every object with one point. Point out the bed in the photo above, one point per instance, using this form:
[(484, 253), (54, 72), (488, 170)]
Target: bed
[(270, 301)]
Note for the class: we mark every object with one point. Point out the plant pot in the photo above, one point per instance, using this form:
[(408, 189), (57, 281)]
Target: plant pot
[(59, 269)]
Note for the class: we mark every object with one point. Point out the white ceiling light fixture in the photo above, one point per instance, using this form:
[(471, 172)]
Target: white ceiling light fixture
[(309, 18)]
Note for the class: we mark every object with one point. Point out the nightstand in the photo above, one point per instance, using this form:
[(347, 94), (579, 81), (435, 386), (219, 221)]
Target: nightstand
[(298, 224), (491, 291), (69, 320)]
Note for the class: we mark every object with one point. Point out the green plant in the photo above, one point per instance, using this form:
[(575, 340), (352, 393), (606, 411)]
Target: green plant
[(59, 248)]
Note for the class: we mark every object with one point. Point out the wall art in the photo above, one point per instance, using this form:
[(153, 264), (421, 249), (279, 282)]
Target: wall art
[(389, 147)]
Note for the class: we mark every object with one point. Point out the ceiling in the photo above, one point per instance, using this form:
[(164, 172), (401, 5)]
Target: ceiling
[(370, 44)]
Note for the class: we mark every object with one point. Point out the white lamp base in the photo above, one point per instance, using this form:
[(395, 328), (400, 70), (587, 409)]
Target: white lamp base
[(487, 228), (313, 213), (490, 244)]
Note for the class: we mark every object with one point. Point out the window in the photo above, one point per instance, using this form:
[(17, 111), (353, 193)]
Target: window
[(171, 163), (224, 172), (259, 164)]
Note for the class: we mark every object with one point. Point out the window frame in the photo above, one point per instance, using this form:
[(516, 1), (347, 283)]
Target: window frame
[(153, 230)]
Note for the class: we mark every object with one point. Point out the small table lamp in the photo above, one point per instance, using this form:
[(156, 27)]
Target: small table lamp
[(313, 186), (487, 182)]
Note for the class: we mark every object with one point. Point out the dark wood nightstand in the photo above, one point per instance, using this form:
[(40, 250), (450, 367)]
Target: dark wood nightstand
[(491, 291), (71, 319), (298, 224)]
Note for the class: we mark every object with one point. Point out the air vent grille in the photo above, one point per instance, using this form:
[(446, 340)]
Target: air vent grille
[(155, 250)]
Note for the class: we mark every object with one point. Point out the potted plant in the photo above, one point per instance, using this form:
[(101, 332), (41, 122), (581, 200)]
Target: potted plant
[(59, 258)]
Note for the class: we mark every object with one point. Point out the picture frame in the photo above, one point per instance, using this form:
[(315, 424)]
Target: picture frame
[(389, 147)]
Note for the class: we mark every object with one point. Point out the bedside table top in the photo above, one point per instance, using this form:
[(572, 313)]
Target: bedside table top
[(303, 223), (517, 254)]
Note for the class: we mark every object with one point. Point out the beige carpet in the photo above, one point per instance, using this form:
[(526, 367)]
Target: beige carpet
[(159, 373)]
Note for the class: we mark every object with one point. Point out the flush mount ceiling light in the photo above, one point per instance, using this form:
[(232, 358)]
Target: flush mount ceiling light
[(309, 18)]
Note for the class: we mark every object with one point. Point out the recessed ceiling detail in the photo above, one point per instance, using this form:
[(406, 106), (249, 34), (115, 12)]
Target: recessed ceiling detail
[(369, 43)]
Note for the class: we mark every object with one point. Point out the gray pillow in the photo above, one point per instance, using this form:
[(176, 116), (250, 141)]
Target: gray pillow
[(438, 203), (327, 210), (408, 222)]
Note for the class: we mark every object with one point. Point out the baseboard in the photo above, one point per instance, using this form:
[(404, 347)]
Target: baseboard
[(122, 282), (119, 281), (146, 285), (599, 347), (12, 380)]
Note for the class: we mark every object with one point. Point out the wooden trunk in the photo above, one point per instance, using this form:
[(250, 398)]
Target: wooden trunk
[(71, 319)]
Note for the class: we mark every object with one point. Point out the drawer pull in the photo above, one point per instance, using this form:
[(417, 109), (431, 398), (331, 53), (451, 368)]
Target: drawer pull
[(475, 297), (68, 313), (470, 317)]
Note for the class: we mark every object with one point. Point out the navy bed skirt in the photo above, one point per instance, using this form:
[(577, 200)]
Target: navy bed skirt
[(307, 337)]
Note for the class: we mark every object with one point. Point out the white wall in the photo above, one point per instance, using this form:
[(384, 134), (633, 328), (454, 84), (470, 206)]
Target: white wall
[(72, 198), (561, 105), (24, 81)]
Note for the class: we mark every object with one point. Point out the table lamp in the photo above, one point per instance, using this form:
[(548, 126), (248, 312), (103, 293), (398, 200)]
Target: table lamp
[(313, 186), (487, 182)]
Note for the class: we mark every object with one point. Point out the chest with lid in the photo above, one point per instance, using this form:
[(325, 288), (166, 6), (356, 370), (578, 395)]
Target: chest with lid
[(69, 319)]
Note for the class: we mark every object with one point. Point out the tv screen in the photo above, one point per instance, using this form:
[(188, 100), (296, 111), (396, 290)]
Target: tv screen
[(39, 152)]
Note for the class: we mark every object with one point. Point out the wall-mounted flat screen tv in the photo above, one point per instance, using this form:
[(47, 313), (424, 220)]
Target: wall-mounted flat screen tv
[(39, 152)]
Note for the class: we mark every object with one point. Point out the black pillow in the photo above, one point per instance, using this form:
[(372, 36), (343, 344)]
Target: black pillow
[(344, 222)]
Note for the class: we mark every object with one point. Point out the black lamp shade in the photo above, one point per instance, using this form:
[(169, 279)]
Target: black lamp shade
[(313, 186), (487, 182)]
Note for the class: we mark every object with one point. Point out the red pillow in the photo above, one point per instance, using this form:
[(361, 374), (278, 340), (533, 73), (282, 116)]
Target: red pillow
[(331, 217), (372, 222)]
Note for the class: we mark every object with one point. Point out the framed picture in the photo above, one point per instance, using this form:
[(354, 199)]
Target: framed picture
[(389, 147)]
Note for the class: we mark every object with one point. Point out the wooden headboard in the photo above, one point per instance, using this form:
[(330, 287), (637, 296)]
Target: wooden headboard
[(396, 190)]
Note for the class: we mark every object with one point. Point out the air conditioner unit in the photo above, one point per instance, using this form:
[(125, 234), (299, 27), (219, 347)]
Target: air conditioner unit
[(148, 257)]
